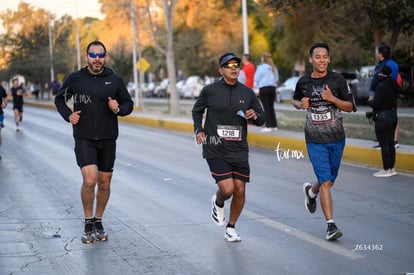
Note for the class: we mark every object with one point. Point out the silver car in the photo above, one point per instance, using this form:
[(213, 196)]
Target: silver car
[(285, 91)]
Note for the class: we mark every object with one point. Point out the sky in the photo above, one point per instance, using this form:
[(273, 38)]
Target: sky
[(83, 8)]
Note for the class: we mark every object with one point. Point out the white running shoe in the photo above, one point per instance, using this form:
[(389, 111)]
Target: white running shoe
[(231, 235), (385, 173), (266, 130), (217, 213)]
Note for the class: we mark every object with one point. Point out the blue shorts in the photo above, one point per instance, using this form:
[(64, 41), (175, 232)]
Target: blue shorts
[(1, 120), (326, 159)]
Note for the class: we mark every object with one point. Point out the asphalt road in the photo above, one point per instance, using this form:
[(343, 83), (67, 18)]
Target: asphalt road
[(158, 214)]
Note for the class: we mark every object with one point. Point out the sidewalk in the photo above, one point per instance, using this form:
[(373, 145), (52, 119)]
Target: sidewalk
[(357, 151)]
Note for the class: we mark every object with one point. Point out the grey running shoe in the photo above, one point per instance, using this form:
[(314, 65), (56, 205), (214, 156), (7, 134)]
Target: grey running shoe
[(100, 234), (88, 236), (310, 203), (333, 233), (217, 213)]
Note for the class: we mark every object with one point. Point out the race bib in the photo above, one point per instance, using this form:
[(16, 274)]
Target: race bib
[(322, 117), (229, 132)]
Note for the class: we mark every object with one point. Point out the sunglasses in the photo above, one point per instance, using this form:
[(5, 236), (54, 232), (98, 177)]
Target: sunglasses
[(95, 55), (231, 65)]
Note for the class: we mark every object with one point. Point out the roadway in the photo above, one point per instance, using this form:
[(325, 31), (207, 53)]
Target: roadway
[(158, 214)]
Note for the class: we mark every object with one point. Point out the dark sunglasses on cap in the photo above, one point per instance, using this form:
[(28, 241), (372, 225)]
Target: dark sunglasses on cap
[(95, 55), (231, 65)]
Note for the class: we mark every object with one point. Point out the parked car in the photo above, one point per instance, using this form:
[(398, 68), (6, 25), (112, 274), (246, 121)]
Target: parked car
[(285, 91), (359, 82), (407, 75), (179, 85), (160, 89), (192, 87), (147, 89)]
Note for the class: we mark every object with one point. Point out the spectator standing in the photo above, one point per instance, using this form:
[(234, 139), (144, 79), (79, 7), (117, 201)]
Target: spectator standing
[(266, 78), (36, 90), (242, 77), (383, 55), (248, 70), (54, 86), (384, 107)]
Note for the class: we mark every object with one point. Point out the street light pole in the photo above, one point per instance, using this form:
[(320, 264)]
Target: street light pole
[(245, 30), (52, 72), (134, 54), (77, 37)]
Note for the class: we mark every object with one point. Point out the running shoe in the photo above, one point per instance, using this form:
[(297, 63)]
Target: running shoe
[(217, 213), (231, 235), (396, 144), (333, 233), (376, 147), (88, 236), (385, 173), (310, 203), (100, 234)]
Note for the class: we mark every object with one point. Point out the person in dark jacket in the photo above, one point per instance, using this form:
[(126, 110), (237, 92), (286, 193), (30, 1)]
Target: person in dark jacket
[(99, 96), (230, 105), (384, 107), (383, 54)]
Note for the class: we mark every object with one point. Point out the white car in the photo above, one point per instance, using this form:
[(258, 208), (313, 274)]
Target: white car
[(285, 91), (192, 87)]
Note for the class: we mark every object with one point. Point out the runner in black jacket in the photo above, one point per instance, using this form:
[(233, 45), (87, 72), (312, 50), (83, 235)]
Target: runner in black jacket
[(229, 105), (98, 96)]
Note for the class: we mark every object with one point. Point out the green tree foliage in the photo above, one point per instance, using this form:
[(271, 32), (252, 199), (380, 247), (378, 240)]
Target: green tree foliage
[(26, 43), (352, 28)]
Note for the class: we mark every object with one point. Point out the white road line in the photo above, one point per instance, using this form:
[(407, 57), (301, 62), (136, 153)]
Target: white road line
[(304, 236)]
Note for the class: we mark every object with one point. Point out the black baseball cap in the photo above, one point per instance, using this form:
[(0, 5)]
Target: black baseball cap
[(227, 57)]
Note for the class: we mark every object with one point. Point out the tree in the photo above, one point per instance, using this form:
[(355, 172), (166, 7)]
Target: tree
[(26, 43), (351, 27)]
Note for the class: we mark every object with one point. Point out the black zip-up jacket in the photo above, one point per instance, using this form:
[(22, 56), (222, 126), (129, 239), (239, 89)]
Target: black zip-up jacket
[(225, 105), (386, 94), (89, 94)]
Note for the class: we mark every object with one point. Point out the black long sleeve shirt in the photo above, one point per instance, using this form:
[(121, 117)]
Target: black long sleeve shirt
[(89, 94), (226, 105)]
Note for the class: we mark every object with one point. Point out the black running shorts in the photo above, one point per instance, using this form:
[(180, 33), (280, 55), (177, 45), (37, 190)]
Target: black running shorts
[(18, 107), (221, 170), (98, 152)]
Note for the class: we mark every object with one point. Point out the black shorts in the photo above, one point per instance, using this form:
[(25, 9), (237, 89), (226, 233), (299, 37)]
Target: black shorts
[(98, 152), (18, 107), (221, 170)]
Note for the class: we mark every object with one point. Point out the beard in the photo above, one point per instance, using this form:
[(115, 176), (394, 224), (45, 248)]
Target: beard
[(96, 67)]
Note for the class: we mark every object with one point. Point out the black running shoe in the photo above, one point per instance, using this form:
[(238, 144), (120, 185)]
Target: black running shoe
[(100, 234), (333, 233), (88, 234), (310, 203)]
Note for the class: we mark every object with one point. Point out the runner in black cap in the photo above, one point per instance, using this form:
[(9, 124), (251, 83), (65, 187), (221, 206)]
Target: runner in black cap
[(229, 106)]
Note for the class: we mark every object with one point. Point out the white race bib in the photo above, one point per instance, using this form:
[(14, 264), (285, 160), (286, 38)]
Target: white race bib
[(322, 117), (229, 132)]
